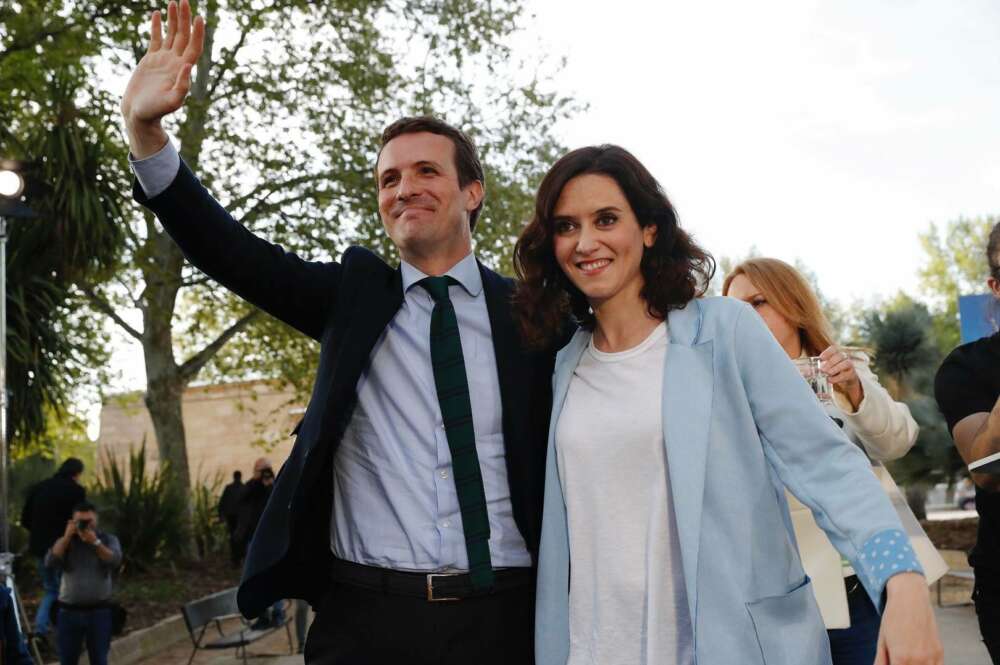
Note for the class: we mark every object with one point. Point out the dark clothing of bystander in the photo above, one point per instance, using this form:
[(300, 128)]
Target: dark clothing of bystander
[(229, 511), (251, 507), (13, 649), (968, 382), (229, 502), (84, 627), (47, 509)]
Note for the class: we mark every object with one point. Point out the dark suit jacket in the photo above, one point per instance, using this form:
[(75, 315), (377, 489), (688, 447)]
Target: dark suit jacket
[(47, 509), (345, 306)]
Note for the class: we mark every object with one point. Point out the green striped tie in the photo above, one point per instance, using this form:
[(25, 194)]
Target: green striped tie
[(456, 411)]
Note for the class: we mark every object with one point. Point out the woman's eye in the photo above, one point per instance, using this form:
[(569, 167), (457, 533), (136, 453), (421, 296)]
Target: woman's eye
[(563, 227), (606, 220), (757, 303)]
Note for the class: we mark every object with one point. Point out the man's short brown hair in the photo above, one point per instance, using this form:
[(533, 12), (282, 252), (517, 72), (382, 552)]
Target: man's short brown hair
[(467, 162)]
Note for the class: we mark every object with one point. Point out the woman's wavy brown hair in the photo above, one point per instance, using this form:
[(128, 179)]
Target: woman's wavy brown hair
[(674, 270)]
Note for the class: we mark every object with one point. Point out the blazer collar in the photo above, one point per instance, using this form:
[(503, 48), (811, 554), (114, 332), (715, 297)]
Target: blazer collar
[(685, 324)]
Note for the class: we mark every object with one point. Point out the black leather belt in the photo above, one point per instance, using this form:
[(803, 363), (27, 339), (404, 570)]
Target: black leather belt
[(433, 587), (852, 584)]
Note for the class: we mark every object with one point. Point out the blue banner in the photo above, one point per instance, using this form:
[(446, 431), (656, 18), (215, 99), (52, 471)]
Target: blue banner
[(979, 315)]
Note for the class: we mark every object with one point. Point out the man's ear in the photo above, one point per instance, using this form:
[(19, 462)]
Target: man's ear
[(994, 285), (474, 193)]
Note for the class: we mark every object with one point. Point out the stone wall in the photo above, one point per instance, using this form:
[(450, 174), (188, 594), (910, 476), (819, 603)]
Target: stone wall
[(227, 426)]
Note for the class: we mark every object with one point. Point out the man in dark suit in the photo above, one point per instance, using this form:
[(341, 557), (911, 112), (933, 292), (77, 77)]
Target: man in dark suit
[(417, 474), (48, 507)]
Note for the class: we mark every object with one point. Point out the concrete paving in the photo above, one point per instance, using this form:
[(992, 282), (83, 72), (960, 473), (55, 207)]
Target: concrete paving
[(960, 636), (958, 626)]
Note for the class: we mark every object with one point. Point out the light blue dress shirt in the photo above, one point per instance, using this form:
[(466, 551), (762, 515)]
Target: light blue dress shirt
[(395, 504)]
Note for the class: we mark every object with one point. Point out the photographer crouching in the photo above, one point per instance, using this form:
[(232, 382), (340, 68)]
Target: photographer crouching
[(87, 557)]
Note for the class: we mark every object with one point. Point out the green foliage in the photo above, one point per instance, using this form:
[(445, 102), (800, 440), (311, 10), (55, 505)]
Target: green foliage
[(956, 265), (57, 121), (933, 459), (906, 358), (143, 508), (905, 350), (210, 535)]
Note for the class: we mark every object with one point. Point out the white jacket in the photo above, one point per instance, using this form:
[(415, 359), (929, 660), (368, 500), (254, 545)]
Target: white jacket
[(886, 431)]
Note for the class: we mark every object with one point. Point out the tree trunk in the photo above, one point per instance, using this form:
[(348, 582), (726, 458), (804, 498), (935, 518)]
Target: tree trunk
[(164, 381), (916, 497)]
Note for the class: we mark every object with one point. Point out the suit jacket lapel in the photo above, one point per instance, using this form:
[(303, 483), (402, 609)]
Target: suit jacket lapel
[(505, 344), (687, 412), (378, 300)]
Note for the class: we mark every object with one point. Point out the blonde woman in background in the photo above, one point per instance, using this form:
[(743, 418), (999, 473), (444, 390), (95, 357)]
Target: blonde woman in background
[(870, 417)]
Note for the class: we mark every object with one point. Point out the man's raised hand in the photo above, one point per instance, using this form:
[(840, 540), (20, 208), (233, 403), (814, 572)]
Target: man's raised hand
[(162, 79)]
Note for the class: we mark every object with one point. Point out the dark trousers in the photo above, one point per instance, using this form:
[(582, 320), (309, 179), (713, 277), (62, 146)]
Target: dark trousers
[(236, 552), (77, 627), (988, 610), (356, 626), (858, 644)]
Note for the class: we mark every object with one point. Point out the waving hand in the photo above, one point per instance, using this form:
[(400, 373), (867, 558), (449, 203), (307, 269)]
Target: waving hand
[(162, 79)]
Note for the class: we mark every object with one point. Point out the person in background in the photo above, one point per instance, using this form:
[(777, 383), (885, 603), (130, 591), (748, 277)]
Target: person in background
[(676, 422), (870, 417), (229, 511), (87, 557), (967, 388), (13, 648), (253, 500), (48, 506)]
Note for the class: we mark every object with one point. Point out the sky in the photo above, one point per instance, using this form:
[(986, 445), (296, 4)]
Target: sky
[(830, 132)]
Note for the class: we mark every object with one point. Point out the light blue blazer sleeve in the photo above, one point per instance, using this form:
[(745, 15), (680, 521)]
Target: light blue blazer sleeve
[(816, 462)]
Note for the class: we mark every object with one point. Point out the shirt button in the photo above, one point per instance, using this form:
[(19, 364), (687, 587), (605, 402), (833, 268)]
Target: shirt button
[(444, 473), (446, 523)]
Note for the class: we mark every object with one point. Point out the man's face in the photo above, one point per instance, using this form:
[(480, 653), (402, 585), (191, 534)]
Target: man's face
[(425, 212), (86, 517)]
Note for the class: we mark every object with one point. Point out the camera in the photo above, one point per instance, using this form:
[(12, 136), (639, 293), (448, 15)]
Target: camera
[(267, 474), (83, 525)]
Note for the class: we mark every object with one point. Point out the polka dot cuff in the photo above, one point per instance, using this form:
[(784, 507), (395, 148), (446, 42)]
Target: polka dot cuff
[(885, 554)]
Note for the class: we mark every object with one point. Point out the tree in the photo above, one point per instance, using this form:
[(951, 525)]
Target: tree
[(285, 105), (58, 123), (906, 357), (955, 265)]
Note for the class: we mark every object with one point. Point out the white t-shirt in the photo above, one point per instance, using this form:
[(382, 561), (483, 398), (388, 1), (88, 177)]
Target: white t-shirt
[(627, 601)]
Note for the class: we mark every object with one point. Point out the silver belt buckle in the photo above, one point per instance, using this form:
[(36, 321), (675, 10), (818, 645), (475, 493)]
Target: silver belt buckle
[(431, 598)]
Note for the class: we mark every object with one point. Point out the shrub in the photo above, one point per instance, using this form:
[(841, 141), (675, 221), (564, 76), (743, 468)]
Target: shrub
[(210, 534), (143, 508)]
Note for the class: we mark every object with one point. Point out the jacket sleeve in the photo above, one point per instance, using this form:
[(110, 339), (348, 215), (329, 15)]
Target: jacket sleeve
[(296, 291), (884, 426), (818, 464)]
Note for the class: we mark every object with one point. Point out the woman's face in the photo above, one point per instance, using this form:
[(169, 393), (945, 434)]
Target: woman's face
[(597, 239), (787, 335)]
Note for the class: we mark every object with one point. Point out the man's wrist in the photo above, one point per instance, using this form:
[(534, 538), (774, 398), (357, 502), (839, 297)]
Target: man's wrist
[(145, 137)]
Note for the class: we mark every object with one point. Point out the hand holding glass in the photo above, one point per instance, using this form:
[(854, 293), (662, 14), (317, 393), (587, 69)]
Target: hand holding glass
[(817, 380)]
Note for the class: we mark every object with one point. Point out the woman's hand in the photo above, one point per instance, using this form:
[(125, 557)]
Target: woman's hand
[(909, 634), (839, 368)]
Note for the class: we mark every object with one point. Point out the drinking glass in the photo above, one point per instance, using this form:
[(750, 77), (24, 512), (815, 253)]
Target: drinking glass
[(817, 380)]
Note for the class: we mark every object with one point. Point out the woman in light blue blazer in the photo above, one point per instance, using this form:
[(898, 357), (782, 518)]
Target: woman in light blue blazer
[(677, 422)]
